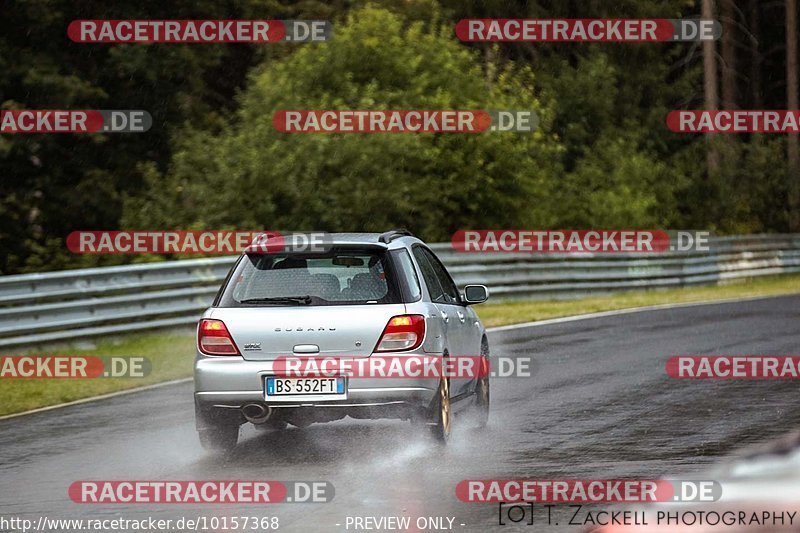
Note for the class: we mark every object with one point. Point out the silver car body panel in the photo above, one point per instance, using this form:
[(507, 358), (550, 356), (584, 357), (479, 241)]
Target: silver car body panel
[(264, 333)]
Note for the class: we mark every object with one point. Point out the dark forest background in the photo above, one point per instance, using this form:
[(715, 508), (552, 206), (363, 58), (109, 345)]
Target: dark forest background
[(601, 158)]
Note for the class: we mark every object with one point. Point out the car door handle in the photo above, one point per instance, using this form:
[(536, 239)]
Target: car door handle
[(461, 316), (445, 317), (305, 348)]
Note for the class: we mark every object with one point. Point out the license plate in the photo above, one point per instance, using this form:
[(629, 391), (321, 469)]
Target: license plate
[(306, 387)]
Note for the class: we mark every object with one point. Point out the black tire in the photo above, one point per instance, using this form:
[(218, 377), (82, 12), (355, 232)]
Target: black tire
[(220, 439), (480, 410), (481, 407), (442, 415)]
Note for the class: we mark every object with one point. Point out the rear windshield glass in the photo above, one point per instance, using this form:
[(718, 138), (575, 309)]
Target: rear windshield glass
[(335, 278)]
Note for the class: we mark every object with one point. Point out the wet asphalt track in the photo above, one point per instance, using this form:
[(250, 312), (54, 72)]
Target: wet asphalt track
[(599, 405)]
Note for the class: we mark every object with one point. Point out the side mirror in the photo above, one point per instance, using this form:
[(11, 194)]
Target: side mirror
[(475, 294)]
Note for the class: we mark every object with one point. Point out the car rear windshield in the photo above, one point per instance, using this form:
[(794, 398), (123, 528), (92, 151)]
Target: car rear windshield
[(337, 277)]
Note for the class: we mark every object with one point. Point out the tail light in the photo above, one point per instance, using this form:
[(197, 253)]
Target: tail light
[(213, 338), (404, 332)]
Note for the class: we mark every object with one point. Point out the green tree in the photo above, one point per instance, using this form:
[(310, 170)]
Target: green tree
[(252, 176), (51, 185)]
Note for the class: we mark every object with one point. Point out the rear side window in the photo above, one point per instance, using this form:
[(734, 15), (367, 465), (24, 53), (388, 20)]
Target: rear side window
[(438, 281), (334, 278), (407, 276), (444, 278), (429, 275)]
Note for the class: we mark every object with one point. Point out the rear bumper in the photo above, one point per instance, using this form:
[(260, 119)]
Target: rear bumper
[(224, 384)]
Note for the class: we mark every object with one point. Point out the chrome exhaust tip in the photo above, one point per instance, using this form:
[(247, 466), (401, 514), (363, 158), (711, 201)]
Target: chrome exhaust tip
[(256, 413)]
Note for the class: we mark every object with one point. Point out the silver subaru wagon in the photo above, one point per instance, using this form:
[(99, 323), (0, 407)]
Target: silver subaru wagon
[(363, 295)]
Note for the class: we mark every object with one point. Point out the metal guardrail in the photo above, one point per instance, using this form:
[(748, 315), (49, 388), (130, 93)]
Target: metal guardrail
[(73, 304)]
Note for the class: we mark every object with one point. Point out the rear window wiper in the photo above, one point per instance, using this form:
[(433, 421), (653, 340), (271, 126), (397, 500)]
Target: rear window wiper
[(302, 300)]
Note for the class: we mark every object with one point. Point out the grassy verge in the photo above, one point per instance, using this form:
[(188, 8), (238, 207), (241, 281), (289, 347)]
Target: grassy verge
[(171, 355), (503, 313)]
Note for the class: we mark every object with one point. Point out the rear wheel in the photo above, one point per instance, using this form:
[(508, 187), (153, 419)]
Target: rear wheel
[(482, 403), (442, 416), (481, 407), (221, 439)]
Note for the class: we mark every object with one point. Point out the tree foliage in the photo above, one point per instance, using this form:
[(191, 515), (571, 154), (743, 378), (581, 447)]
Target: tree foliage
[(250, 175), (602, 156)]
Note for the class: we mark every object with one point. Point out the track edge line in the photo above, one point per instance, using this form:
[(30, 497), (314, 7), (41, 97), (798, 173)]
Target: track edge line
[(629, 310)]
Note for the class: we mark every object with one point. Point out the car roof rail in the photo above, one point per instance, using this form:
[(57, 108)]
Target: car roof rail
[(393, 234)]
